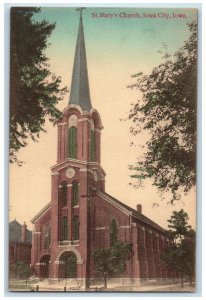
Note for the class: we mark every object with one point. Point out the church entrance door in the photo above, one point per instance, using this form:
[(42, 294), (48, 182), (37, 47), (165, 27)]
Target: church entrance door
[(44, 266), (68, 265)]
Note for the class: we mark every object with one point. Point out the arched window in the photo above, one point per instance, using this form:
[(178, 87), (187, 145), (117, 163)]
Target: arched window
[(76, 228), (92, 146), (63, 192), (47, 236), (93, 143), (113, 232), (65, 229), (72, 142), (75, 193)]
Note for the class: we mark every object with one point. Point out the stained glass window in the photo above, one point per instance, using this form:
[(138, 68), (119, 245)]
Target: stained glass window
[(92, 146), (75, 193), (65, 229), (113, 232), (76, 228), (72, 142)]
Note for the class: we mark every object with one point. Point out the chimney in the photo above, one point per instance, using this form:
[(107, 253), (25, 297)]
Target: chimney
[(23, 234), (139, 208)]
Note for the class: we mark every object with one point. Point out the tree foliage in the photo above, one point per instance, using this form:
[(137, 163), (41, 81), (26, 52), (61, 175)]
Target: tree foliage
[(178, 224), (180, 255), (34, 90), (22, 270), (112, 260), (167, 111)]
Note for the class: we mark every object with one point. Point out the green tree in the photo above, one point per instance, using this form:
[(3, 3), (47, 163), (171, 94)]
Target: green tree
[(180, 255), (22, 270), (112, 260), (167, 112), (34, 90), (178, 225)]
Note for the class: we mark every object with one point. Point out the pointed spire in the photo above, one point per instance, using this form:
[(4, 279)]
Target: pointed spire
[(80, 93)]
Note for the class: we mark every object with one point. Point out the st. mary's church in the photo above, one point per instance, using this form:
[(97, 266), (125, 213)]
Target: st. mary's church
[(81, 216)]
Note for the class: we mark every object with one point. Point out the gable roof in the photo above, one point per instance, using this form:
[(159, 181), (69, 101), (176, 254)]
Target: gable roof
[(41, 212), (114, 201), (135, 213), (15, 233)]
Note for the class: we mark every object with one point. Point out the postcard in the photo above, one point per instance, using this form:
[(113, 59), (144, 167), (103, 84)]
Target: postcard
[(103, 130)]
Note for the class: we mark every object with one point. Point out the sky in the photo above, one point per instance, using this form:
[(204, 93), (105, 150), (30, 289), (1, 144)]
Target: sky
[(116, 48)]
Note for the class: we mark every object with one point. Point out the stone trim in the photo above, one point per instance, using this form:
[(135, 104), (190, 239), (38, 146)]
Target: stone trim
[(84, 119), (72, 249), (54, 173), (83, 170), (72, 162), (124, 226), (94, 110), (73, 106), (61, 124), (75, 206), (76, 162), (36, 232), (98, 130), (100, 228)]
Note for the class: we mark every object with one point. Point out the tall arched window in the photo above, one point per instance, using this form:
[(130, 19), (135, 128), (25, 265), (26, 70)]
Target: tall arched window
[(72, 142), (92, 149), (47, 236), (113, 232), (75, 193), (64, 194), (76, 228), (93, 143), (65, 229)]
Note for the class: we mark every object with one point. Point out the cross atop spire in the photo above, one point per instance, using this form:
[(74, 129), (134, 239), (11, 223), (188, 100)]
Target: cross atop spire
[(80, 9), (80, 94)]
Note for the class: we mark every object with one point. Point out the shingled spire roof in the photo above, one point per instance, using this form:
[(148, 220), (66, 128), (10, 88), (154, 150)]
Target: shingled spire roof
[(80, 94)]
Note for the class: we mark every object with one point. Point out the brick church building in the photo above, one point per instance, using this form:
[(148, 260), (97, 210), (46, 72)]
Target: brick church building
[(81, 215)]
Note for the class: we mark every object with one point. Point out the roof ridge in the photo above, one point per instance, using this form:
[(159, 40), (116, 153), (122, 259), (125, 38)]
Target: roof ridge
[(141, 216), (41, 212)]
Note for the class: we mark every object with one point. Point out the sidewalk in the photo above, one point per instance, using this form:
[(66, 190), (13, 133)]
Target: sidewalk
[(156, 288), (64, 286)]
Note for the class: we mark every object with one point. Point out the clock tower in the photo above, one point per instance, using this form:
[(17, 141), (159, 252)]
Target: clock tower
[(78, 173), (81, 216)]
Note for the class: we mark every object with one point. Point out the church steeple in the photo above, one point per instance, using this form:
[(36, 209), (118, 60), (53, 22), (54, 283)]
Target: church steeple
[(80, 94)]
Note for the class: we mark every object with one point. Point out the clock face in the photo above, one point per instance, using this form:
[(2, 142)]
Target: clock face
[(72, 120), (70, 172)]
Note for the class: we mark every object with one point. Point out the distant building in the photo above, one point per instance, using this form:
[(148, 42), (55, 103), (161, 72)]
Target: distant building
[(81, 215), (20, 239)]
